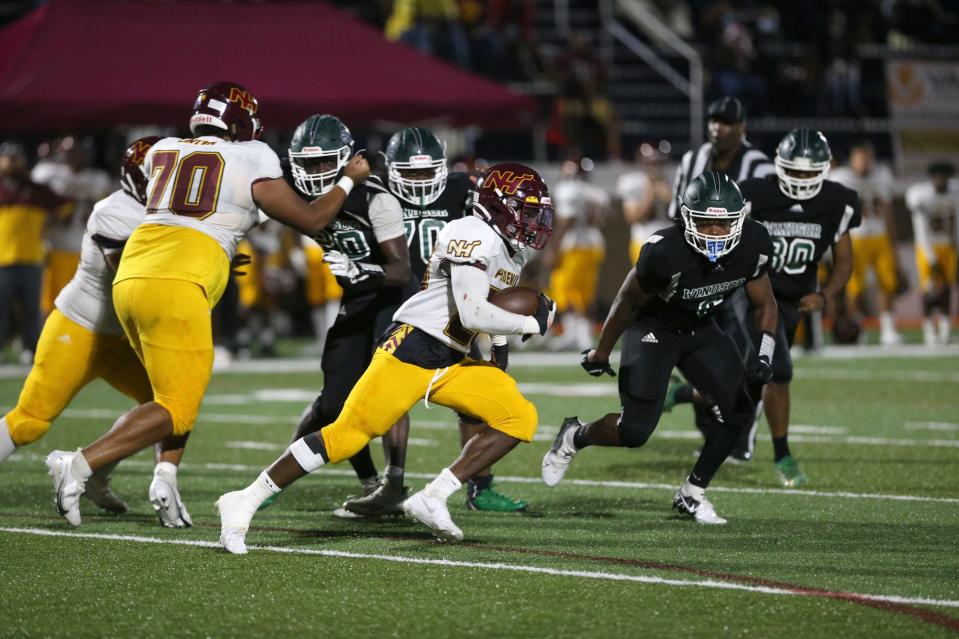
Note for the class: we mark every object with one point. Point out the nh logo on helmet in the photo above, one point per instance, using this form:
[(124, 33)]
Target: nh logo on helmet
[(243, 98), (139, 151), (506, 181)]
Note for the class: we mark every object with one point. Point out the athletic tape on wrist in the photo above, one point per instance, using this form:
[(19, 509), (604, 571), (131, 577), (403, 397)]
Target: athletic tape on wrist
[(345, 183), (767, 346)]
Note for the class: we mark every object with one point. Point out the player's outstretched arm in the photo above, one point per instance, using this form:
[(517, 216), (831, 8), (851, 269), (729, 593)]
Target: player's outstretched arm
[(470, 292), (630, 295), (280, 202)]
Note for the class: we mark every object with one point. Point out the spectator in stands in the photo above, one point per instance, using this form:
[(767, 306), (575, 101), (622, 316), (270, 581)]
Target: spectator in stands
[(645, 195), (65, 168), (26, 208), (432, 27), (584, 118), (873, 243), (934, 205), (506, 42)]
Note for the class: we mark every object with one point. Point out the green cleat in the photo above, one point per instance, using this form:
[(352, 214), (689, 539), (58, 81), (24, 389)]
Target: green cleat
[(787, 470), (492, 501), (675, 383)]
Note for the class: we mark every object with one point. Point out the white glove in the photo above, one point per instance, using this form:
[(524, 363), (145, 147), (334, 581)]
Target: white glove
[(353, 272), (166, 498)]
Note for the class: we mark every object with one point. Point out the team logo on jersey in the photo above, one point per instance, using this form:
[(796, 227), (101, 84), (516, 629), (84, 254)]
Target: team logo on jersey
[(462, 248), (243, 98), (506, 181)]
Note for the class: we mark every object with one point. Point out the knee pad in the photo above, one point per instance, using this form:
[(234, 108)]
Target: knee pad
[(633, 435), (25, 429)]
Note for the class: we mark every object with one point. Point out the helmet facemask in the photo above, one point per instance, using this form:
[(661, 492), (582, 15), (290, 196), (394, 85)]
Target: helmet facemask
[(712, 245), (420, 180), (315, 171), (804, 186), (521, 223)]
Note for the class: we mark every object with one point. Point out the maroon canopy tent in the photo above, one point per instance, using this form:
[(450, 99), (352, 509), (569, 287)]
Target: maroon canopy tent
[(93, 64)]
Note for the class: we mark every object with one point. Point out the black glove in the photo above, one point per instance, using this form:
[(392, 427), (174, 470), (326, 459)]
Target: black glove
[(545, 312), (355, 276), (499, 355), (596, 368), (760, 373)]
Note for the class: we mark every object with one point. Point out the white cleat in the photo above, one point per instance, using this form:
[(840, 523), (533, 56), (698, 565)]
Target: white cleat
[(556, 461), (702, 510), (167, 502), (434, 514), (890, 338), (235, 516), (67, 488), (99, 492)]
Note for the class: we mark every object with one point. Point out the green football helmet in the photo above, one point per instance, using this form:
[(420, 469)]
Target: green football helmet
[(416, 165), (802, 163), (713, 199), (320, 148)]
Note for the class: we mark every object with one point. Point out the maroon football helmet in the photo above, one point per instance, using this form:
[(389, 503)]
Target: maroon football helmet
[(227, 106), (132, 178), (514, 199)]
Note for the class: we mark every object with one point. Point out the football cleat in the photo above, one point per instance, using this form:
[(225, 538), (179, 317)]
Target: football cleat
[(386, 501), (167, 502), (235, 516), (557, 459), (67, 488), (99, 492), (787, 470), (700, 510), (492, 501), (434, 514), (675, 383), (369, 487)]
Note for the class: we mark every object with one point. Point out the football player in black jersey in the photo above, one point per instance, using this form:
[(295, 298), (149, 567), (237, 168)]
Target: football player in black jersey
[(806, 215), (665, 306), (366, 249), (431, 197)]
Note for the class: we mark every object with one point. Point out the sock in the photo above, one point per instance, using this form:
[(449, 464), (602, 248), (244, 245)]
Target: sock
[(166, 469), (79, 468), (886, 323), (260, 490), (443, 486), (394, 474), (693, 488), (576, 438), (363, 466), (944, 329), (780, 447), (6, 442), (478, 484), (684, 394)]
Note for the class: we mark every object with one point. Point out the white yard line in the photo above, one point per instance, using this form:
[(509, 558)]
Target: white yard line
[(589, 483), (947, 427), (799, 591), (546, 431)]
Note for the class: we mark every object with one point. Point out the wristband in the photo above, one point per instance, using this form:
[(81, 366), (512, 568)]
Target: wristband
[(767, 346), (498, 340), (345, 183)]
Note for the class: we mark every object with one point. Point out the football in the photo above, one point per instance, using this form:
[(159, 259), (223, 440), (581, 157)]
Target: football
[(516, 299)]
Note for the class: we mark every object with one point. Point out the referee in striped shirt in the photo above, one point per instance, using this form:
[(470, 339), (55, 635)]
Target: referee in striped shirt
[(728, 151)]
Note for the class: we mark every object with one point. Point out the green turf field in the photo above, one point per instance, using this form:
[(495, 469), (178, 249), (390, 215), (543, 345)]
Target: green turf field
[(870, 548)]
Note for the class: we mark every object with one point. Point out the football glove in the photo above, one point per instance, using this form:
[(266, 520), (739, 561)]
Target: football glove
[(545, 312), (166, 499), (352, 274), (596, 367), (499, 355), (760, 373)]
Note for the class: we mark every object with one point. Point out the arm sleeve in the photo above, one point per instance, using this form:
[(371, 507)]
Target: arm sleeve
[(386, 215), (470, 287)]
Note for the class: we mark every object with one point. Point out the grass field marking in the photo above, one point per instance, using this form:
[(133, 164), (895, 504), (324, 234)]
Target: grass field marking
[(785, 590), (948, 427), (590, 483), (546, 432)]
